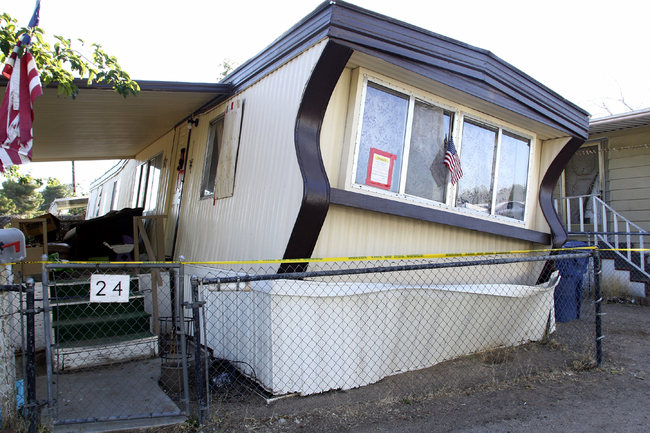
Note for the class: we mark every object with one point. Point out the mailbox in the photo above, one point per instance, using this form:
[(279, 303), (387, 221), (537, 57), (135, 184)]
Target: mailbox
[(12, 246)]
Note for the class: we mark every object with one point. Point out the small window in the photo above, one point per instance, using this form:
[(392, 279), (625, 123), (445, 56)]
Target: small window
[(115, 195), (212, 158), (478, 160)]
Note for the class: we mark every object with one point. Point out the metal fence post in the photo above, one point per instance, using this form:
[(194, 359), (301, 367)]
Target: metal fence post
[(182, 331), (196, 305), (47, 329), (8, 394), (30, 312), (599, 302)]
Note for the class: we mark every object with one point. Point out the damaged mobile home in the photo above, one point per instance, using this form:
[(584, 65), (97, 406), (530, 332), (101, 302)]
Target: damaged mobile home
[(331, 143)]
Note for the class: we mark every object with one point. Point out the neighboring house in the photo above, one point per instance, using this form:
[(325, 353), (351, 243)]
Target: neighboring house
[(606, 184), (331, 142), (615, 165)]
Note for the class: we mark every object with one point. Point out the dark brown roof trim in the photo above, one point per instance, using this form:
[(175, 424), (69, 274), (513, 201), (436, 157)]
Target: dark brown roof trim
[(154, 86), (391, 207), (469, 69), (547, 187), (316, 186)]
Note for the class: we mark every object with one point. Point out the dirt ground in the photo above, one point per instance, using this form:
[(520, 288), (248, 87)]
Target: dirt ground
[(614, 398)]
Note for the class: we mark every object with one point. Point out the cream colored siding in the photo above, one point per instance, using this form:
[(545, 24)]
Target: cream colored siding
[(127, 180), (548, 152), (355, 232), (332, 136), (255, 223)]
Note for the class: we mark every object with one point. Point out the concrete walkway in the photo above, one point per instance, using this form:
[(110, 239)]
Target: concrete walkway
[(111, 398)]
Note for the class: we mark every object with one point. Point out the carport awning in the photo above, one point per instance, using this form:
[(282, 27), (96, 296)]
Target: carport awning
[(100, 124)]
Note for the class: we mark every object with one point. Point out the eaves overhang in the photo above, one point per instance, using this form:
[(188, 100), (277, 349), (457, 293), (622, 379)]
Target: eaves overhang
[(100, 124), (618, 122)]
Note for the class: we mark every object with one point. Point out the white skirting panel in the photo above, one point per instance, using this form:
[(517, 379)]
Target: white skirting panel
[(310, 337)]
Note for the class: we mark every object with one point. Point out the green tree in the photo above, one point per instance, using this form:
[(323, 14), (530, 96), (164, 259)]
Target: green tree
[(7, 206), (22, 192), (227, 66), (58, 63), (53, 190)]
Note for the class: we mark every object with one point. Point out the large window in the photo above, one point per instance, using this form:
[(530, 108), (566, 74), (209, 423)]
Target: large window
[(401, 146), (212, 158), (495, 167)]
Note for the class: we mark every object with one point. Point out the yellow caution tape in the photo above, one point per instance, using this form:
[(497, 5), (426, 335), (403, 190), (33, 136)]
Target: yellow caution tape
[(351, 259)]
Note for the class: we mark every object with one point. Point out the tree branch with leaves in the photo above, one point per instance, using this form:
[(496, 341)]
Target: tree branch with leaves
[(59, 62)]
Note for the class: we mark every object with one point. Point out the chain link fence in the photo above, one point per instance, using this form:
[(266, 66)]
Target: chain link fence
[(12, 349), (126, 341), (389, 329)]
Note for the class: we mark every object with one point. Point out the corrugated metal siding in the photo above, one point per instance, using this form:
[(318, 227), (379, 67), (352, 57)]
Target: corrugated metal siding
[(353, 232), (163, 145), (256, 222), (127, 179), (101, 192), (628, 177)]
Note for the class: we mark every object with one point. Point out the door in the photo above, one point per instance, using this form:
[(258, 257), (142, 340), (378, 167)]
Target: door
[(582, 175)]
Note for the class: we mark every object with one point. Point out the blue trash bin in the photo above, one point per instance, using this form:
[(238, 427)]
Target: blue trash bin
[(568, 293)]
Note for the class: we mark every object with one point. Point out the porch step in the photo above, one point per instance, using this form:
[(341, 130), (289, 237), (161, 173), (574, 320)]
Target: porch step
[(88, 334), (97, 327), (635, 282), (79, 308), (103, 351)]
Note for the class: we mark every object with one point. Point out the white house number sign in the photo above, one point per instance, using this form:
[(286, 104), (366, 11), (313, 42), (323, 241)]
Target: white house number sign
[(109, 288)]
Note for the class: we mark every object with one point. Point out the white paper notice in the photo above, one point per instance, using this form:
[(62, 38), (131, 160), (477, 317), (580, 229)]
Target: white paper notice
[(109, 288), (380, 169)]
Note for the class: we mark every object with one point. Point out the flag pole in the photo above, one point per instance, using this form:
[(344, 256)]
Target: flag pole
[(74, 187)]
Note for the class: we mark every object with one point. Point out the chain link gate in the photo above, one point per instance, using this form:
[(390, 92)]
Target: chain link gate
[(118, 342)]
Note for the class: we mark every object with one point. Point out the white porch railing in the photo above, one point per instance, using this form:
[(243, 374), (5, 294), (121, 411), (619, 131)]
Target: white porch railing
[(588, 215)]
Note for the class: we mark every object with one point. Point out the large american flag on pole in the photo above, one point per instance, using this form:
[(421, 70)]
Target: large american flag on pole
[(17, 109), (452, 161)]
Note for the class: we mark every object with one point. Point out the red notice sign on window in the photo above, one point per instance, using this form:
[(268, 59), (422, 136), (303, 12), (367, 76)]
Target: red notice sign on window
[(380, 168)]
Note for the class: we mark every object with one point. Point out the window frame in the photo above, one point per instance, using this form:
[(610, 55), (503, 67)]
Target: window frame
[(143, 181), (458, 113), (210, 167), (500, 130), (412, 98)]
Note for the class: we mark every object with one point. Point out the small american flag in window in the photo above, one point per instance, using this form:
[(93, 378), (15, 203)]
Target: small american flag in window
[(452, 161)]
